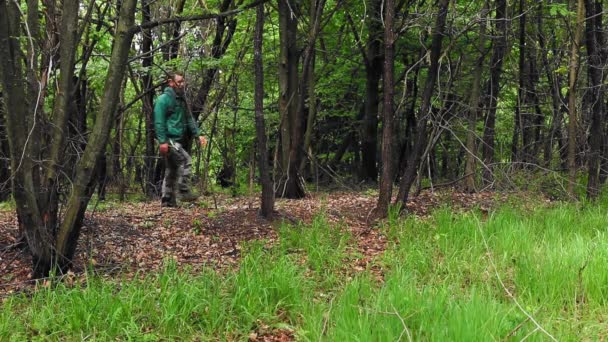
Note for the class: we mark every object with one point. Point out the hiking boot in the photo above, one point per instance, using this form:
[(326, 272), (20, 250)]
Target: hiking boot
[(168, 202), (188, 196)]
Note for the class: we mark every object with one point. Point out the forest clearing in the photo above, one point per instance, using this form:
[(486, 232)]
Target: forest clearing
[(276, 170)]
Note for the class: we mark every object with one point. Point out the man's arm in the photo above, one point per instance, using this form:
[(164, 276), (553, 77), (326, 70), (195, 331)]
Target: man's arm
[(193, 128), (160, 123)]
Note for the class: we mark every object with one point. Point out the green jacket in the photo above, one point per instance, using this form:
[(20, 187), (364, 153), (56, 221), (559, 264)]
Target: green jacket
[(171, 118)]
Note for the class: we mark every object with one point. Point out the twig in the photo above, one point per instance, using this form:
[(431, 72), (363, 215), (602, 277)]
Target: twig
[(509, 294), (394, 313), (405, 329), (530, 334), (326, 319), (516, 329)]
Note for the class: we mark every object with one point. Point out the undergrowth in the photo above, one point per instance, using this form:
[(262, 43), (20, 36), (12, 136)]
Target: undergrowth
[(511, 274)]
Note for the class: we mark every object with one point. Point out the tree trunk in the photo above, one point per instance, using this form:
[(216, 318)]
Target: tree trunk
[(498, 53), (409, 175), (267, 198), (310, 119), (597, 62), (474, 108), (556, 98), (373, 73), (148, 103), (572, 80), (288, 83), (5, 179), (69, 230), (386, 179), (19, 121), (521, 107), (294, 187)]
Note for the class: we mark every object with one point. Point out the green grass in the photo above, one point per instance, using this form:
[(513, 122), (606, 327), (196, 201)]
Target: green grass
[(451, 277)]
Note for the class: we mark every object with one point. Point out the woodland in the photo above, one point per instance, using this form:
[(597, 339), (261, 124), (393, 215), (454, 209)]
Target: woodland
[(371, 114)]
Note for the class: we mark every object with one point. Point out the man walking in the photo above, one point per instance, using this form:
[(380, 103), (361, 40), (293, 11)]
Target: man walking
[(172, 122)]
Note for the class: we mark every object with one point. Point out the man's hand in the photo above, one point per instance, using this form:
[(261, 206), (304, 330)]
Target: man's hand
[(202, 141), (164, 149)]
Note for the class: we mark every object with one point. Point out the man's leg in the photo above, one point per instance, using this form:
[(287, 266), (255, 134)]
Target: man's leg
[(184, 180), (172, 164)]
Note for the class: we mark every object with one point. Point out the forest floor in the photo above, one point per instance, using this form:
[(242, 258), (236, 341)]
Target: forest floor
[(134, 238)]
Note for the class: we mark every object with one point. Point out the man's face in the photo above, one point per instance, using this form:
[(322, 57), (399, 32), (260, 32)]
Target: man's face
[(178, 82)]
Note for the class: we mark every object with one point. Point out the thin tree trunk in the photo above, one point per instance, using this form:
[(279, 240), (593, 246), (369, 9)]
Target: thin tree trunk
[(520, 108), (373, 73), (471, 146), (5, 180), (267, 198), (572, 80), (597, 63), (498, 53), (288, 83), (556, 98), (147, 103), (386, 179)]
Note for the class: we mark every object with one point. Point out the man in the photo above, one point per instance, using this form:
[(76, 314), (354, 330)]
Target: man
[(172, 122)]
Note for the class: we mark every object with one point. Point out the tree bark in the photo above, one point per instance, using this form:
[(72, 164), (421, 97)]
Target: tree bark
[(386, 179), (19, 123), (267, 198), (474, 108), (498, 53), (572, 81), (148, 103), (557, 99), (373, 72), (288, 99), (521, 107), (5, 179), (597, 62)]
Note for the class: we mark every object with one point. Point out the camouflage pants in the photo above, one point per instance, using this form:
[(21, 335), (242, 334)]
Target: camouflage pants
[(178, 164)]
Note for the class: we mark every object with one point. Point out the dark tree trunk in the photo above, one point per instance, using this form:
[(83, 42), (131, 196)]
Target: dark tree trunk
[(572, 82), (294, 187), (520, 108), (474, 108), (533, 130), (386, 178), (5, 180), (373, 73), (420, 144), (557, 99), (267, 199), (148, 106), (410, 115), (77, 127), (498, 53), (288, 66), (597, 61)]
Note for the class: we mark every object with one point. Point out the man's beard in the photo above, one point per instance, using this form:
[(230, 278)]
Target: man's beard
[(181, 92)]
